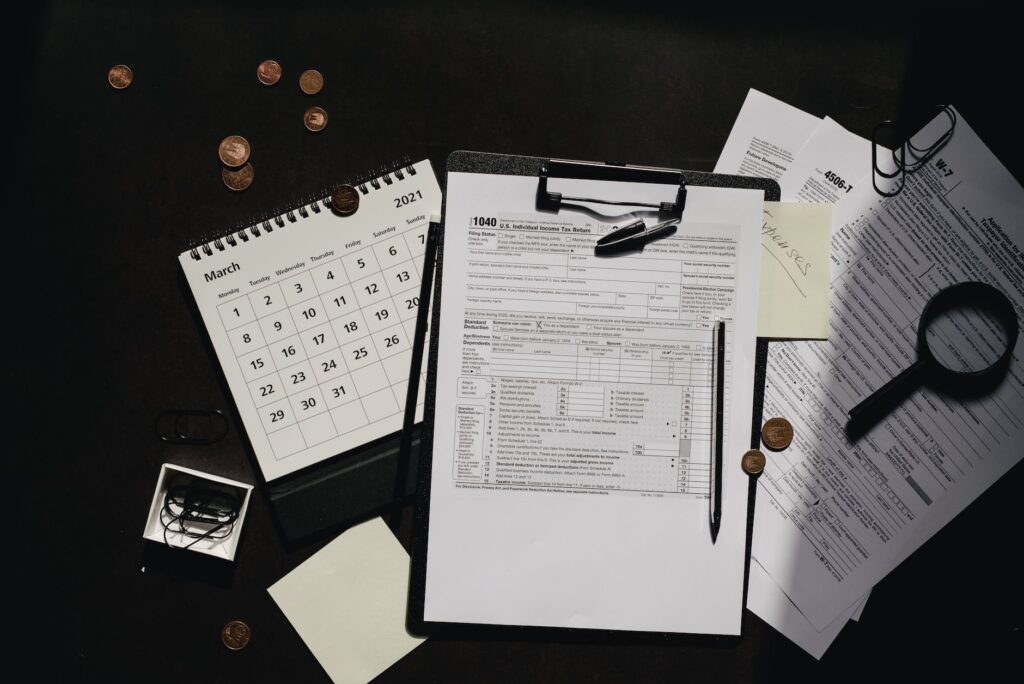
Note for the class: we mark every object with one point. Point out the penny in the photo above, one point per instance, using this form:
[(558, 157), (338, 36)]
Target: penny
[(311, 81), (315, 119), (236, 635), (238, 179), (777, 434), (753, 462), (345, 200), (234, 151), (268, 72), (119, 76)]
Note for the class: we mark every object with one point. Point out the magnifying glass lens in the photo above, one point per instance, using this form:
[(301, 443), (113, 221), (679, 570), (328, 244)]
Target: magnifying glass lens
[(966, 338)]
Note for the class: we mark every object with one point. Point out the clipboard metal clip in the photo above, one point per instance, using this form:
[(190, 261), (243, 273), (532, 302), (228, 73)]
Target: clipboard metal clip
[(562, 168)]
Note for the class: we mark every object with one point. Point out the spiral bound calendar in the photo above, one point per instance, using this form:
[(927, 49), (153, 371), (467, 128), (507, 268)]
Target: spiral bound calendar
[(312, 315)]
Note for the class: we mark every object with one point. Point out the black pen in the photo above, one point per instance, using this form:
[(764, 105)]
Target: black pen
[(632, 237), (719, 389)]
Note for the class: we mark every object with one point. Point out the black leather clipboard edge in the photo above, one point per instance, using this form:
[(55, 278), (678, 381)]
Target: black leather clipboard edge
[(514, 165)]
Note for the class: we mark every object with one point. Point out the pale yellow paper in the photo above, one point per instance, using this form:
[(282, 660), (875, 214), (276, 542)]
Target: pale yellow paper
[(348, 602), (796, 242)]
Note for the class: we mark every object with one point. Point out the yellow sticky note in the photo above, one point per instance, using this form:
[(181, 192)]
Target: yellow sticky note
[(796, 241), (347, 602)]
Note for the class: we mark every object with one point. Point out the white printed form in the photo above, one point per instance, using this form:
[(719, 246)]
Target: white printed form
[(765, 122), (573, 418), (833, 517), (582, 373), (830, 165), (766, 138)]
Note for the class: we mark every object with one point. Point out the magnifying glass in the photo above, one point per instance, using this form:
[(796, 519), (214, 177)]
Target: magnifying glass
[(965, 341)]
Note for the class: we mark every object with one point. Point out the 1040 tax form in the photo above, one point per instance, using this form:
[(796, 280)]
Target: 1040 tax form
[(572, 429)]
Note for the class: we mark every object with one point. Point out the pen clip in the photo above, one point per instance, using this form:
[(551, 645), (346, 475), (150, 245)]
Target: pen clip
[(660, 230), (616, 240)]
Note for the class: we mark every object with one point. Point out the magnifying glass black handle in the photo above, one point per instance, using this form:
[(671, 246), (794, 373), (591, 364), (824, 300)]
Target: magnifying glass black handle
[(880, 403)]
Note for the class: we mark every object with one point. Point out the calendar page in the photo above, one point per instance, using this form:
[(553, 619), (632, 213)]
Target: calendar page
[(313, 320)]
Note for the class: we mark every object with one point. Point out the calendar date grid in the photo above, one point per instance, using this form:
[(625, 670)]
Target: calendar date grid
[(325, 351)]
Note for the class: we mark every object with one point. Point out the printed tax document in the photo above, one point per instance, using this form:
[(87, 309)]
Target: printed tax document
[(797, 232), (834, 517), (572, 441), (766, 600), (348, 603), (767, 123), (764, 141), (830, 165), (766, 137)]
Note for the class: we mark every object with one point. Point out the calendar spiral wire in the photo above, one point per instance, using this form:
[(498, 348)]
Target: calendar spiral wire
[(314, 203)]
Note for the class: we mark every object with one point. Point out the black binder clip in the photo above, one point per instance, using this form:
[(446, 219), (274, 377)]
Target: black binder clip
[(181, 432), (918, 156), (561, 168)]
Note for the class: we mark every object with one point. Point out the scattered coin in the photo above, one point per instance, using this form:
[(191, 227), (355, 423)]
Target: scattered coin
[(119, 76), (753, 462), (238, 179), (268, 72), (345, 200), (315, 119), (777, 434), (234, 151), (236, 635), (311, 81)]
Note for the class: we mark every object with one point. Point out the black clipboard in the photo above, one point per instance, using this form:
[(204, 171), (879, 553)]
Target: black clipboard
[(541, 168)]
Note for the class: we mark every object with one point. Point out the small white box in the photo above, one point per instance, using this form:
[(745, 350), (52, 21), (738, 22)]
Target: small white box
[(221, 548)]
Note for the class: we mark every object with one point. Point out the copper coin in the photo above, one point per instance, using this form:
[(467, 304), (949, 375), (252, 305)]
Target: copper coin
[(238, 179), (777, 434), (311, 81), (753, 462), (119, 76), (236, 635), (345, 200), (234, 151), (315, 119), (268, 72)]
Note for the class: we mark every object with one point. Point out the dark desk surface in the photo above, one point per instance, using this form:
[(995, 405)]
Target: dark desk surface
[(107, 187)]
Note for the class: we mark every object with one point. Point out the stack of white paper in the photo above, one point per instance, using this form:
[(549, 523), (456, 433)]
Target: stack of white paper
[(832, 517)]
